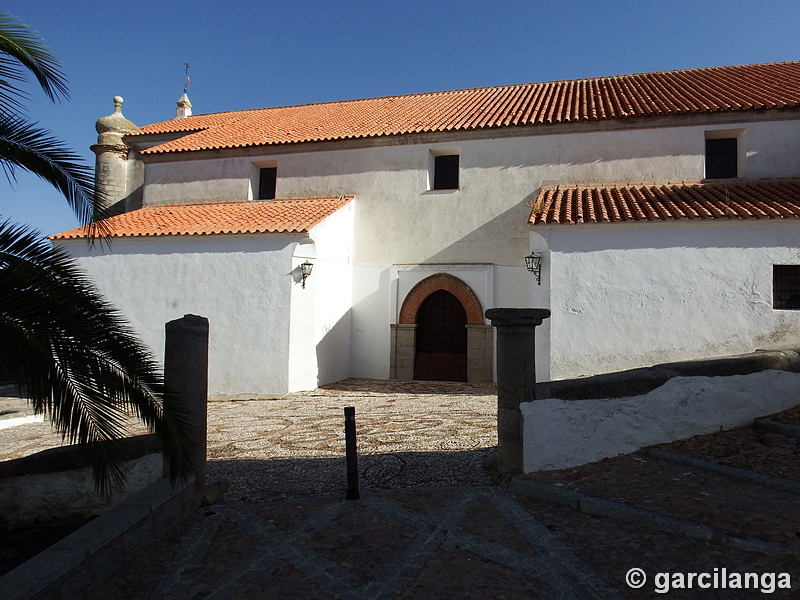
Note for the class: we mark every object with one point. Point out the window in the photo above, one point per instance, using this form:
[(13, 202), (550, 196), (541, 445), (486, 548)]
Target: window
[(445, 172), (266, 183), (722, 158), (786, 287)]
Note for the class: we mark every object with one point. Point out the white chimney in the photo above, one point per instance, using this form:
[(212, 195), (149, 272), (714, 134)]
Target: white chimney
[(184, 107)]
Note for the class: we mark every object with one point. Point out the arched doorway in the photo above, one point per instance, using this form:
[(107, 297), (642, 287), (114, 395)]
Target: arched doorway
[(454, 312), (441, 341)]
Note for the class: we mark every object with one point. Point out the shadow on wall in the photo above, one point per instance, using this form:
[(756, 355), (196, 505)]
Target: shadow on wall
[(370, 317), (502, 240), (333, 351), (280, 479)]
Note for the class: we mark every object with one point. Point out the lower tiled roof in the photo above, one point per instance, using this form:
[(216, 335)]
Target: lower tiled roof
[(573, 204), (295, 215)]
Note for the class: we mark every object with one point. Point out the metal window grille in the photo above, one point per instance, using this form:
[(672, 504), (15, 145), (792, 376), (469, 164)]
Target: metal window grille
[(266, 183), (445, 172), (722, 158), (786, 287)]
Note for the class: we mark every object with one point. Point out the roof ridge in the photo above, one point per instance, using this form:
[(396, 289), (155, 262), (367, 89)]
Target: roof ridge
[(703, 182), (605, 184), (252, 202)]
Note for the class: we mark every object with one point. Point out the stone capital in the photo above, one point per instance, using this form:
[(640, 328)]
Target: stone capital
[(517, 317)]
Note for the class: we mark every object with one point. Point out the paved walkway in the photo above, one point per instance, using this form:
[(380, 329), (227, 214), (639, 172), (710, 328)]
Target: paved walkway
[(325, 555), (414, 534)]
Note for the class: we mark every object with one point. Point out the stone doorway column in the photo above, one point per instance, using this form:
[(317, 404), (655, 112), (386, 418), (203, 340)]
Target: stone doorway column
[(401, 361), (479, 353)]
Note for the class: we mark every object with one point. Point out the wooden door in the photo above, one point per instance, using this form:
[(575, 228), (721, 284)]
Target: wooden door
[(441, 344)]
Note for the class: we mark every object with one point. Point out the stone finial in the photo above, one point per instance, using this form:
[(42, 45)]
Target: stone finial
[(184, 107), (114, 126)]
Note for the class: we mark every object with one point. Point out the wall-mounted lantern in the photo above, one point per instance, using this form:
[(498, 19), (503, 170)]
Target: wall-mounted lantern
[(534, 263), (305, 271)]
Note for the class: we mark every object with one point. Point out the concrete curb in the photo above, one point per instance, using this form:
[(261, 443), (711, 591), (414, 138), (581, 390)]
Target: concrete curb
[(644, 518), (74, 564), (774, 483), (7, 421), (784, 428)]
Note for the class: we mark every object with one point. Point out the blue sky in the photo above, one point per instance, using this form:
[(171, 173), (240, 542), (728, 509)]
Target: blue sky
[(252, 54)]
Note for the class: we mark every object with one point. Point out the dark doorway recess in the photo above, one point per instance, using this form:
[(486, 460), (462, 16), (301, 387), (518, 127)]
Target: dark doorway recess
[(441, 346)]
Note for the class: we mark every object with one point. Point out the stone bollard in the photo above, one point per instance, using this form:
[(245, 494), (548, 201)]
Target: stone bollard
[(186, 373), (516, 375)]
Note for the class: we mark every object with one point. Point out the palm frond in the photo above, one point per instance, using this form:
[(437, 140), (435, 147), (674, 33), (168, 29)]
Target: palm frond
[(23, 50), (25, 146), (78, 361)]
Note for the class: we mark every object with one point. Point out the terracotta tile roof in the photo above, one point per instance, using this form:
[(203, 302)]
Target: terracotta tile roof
[(715, 89), (296, 215), (574, 204)]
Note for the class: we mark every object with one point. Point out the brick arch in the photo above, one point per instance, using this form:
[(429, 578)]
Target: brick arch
[(434, 283)]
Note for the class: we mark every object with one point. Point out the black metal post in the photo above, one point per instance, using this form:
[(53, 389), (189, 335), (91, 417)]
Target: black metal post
[(350, 449)]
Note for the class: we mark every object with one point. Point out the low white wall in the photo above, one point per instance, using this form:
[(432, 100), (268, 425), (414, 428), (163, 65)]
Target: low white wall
[(558, 434)]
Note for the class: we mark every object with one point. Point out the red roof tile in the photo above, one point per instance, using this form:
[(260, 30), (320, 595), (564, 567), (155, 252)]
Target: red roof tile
[(296, 215), (574, 204), (716, 89)]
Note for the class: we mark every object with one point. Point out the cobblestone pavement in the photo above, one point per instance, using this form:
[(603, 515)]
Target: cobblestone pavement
[(429, 525)]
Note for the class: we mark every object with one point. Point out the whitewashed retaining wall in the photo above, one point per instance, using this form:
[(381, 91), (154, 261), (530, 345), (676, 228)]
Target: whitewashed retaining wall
[(565, 433)]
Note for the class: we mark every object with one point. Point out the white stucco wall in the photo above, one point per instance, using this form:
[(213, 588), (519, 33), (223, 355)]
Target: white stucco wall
[(241, 283), (625, 296), (558, 434), (398, 221), (320, 331), (370, 318)]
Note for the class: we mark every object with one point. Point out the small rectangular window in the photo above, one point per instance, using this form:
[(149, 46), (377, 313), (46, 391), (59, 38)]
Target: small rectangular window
[(786, 287), (266, 183), (722, 157), (445, 172)]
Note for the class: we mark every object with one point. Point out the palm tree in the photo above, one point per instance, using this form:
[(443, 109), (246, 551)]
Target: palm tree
[(70, 352)]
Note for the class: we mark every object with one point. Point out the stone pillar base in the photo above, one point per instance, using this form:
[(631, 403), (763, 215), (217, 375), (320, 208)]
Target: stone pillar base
[(479, 353), (402, 353)]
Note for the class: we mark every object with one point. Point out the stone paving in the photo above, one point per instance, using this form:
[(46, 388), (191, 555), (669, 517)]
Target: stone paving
[(430, 526), (409, 434)]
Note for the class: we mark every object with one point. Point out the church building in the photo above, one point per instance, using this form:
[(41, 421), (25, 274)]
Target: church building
[(654, 214)]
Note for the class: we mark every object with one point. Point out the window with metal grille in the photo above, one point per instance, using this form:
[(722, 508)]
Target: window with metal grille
[(266, 183), (786, 287), (445, 172), (722, 158)]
